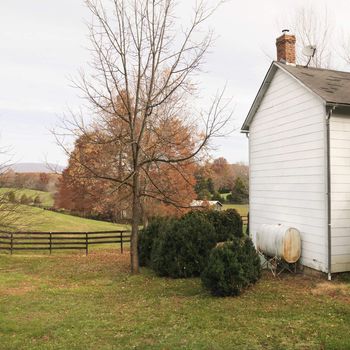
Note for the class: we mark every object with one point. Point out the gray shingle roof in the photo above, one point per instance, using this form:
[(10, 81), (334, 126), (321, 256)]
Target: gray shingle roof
[(331, 85)]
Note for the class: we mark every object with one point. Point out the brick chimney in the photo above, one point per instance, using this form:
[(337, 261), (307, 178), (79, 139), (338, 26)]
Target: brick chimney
[(285, 45)]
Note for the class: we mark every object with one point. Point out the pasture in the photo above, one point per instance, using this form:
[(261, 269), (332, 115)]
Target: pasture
[(46, 198), (37, 219), (70, 301), (241, 208)]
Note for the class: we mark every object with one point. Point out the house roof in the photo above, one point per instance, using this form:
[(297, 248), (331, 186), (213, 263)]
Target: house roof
[(333, 87), (201, 203)]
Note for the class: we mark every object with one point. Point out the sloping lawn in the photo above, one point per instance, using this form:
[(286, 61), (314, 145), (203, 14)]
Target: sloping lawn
[(241, 208), (77, 302), (46, 198), (37, 219)]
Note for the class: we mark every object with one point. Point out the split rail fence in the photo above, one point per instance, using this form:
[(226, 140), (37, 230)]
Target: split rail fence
[(50, 241)]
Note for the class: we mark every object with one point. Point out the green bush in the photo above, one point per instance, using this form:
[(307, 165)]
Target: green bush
[(25, 200), (37, 201), (227, 224), (183, 249), (11, 197), (147, 237), (217, 197), (231, 267), (247, 231)]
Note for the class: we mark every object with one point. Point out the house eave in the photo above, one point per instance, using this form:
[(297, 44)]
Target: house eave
[(261, 92), (265, 85), (341, 108)]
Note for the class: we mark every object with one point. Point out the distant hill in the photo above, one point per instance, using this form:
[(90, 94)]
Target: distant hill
[(36, 168)]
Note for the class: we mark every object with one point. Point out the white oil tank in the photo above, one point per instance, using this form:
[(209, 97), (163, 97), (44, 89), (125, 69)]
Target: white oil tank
[(279, 240)]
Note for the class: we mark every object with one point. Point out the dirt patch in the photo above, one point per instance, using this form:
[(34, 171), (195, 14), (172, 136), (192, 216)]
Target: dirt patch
[(306, 284), (334, 290), (17, 291), (101, 260)]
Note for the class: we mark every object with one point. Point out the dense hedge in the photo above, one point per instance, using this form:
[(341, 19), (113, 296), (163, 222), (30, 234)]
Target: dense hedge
[(183, 249), (227, 224), (231, 267), (147, 237)]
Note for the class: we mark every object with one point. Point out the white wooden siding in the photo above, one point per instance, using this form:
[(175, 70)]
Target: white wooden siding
[(287, 166), (340, 187)]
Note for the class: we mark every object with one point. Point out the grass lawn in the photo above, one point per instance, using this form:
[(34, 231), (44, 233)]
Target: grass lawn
[(241, 208), (46, 198), (224, 195), (37, 219), (77, 302)]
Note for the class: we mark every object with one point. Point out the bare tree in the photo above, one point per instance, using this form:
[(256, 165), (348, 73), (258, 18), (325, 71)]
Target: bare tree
[(344, 51), (313, 27), (9, 210), (13, 215), (140, 92)]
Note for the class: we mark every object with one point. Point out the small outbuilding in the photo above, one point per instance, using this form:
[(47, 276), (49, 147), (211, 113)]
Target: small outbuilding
[(203, 204), (299, 156)]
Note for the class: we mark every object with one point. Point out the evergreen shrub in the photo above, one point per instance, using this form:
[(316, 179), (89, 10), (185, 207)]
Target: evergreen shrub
[(227, 224), (183, 249), (232, 267), (147, 236)]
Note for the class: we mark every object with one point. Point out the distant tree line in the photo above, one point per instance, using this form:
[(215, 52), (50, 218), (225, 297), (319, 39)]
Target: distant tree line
[(35, 181), (79, 193)]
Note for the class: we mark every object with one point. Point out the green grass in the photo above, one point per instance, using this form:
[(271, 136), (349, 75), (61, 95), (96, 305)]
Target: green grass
[(46, 198), (224, 195), (241, 208), (78, 302), (37, 219), (44, 220)]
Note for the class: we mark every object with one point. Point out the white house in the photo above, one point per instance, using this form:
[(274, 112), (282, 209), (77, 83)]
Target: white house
[(299, 155)]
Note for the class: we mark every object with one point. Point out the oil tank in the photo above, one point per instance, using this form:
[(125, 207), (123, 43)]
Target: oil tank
[(279, 240)]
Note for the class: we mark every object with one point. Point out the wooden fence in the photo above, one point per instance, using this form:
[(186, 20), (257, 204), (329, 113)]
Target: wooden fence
[(14, 241), (244, 219)]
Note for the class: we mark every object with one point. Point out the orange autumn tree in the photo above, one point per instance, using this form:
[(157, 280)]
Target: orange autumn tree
[(80, 191), (167, 189), (144, 63)]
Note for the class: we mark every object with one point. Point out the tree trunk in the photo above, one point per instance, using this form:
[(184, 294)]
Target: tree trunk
[(134, 262)]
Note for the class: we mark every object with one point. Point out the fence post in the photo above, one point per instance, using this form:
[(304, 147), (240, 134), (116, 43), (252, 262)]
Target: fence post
[(11, 242), (86, 244), (50, 238), (121, 242)]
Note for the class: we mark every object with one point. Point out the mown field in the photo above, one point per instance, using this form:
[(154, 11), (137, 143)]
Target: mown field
[(241, 208), (48, 220), (46, 198), (37, 219), (71, 301)]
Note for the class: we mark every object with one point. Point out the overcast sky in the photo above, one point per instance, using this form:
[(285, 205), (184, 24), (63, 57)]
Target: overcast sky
[(43, 43)]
